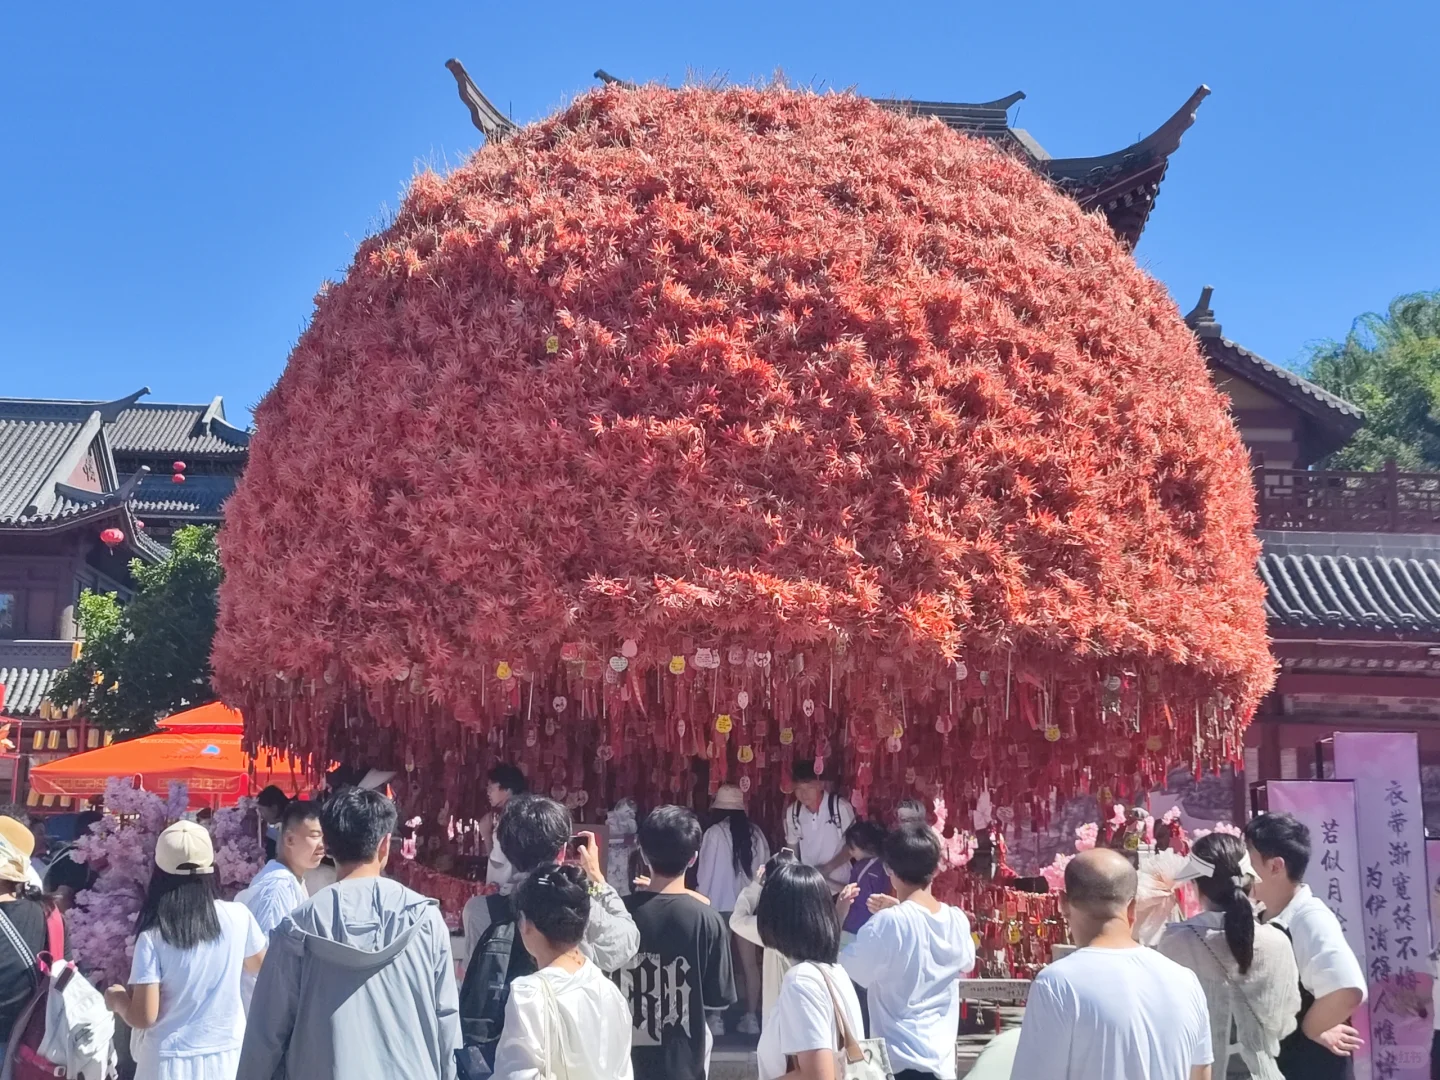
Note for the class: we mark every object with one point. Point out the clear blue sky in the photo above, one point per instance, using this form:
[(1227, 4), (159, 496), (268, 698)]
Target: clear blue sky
[(179, 178)]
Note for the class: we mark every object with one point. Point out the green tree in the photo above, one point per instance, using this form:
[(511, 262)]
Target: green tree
[(148, 658), (1389, 365)]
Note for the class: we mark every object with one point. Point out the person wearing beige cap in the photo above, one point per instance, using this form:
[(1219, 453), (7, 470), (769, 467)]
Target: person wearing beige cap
[(184, 1001), (732, 851)]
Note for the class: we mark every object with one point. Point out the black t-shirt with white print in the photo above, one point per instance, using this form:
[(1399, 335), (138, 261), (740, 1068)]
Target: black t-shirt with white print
[(682, 969)]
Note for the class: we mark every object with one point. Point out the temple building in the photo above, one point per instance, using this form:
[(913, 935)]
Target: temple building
[(85, 487)]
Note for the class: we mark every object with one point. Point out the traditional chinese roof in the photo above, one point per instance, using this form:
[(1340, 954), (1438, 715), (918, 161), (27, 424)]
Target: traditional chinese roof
[(1333, 419), (193, 430), (42, 445), (27, 671), (1122, 185), (1351, 592), (201, 497), (44, 442)]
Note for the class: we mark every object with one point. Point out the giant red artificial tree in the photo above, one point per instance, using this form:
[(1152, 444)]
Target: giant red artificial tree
[(745, 424)]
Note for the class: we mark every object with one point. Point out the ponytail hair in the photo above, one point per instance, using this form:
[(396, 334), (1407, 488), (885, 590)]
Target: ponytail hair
[(556, 901), (1228, 889)]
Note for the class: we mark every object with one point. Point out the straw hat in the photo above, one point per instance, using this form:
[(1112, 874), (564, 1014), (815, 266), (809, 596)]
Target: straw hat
[(18, 833), (728, 797), (185, 849)]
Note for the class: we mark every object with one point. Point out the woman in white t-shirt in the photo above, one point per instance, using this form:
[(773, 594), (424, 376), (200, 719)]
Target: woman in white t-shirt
[(567, 1020), (184, 1000), (800, 1039), (732, 851)]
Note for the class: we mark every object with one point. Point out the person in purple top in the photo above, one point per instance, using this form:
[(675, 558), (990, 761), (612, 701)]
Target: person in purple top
[(867, 874)]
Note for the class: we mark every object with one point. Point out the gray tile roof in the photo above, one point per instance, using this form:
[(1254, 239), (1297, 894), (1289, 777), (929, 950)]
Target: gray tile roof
[(28, 670), (144, 428), (147, 428), (29, 449), (1351, 592), (200, 496), (42, 441)]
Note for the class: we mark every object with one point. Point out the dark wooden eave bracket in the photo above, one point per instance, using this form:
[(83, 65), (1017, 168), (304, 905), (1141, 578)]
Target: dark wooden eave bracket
[(493, 124)]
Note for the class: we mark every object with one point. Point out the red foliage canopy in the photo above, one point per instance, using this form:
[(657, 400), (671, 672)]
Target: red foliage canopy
[(749, 370)]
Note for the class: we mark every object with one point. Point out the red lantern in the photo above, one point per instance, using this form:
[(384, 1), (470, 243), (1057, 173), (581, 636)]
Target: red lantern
[(179, 466), (178, 478), (112, 538)]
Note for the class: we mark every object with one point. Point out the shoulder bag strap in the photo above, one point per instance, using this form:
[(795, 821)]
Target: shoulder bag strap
[(556, 1043), (55, 933), (1240, 993), (848, 1042)]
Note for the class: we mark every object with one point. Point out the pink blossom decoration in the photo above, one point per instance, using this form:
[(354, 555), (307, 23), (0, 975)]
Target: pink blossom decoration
[(1054, 874)]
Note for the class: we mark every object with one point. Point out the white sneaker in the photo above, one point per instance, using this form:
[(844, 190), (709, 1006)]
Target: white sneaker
[(749, 1025), (717, 1024)]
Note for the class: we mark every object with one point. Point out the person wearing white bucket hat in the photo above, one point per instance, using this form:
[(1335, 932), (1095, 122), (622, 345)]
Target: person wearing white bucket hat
[(732, 851), (184, 998)]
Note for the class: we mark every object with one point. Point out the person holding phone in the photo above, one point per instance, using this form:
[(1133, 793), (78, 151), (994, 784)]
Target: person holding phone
[(534, 831)]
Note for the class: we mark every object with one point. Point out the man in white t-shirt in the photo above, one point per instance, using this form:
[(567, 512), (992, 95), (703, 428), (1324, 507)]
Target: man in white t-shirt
[(279, 887), (1112, 1008), (1332, 985), (910, 956), (815, 825)]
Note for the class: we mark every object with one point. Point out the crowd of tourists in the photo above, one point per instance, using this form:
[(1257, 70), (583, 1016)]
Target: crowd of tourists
[(841, 959)]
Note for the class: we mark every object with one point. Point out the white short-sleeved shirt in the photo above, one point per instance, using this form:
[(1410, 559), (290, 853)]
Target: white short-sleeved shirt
[(200, 1005), (804, 1017), (1321, 952), (579, 1029), (715, 872), (273, 894), (910, 963), (818, 836), (1128, 1013)]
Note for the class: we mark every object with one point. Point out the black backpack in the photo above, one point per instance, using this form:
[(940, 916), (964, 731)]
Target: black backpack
[(499, 959)]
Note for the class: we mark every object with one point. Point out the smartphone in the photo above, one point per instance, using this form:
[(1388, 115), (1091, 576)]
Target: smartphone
[(576, 842)]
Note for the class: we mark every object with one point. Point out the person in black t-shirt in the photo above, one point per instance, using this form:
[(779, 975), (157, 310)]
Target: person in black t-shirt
[(683, 967)]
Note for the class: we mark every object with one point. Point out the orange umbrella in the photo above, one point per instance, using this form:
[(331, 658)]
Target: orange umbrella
[(216, 717), (210, 760)]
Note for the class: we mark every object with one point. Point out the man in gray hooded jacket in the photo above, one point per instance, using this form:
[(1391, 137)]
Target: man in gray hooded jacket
[(358, 982)]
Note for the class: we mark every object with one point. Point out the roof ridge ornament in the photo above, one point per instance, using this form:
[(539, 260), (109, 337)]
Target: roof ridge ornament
[(493, 124), (1165, 139), (110, 411), (613, 80), (1201, 319)]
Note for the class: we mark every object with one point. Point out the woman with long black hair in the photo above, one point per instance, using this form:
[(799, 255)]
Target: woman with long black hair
[(184, 1001), (732, 851), (797, 919), (1246, 968)]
